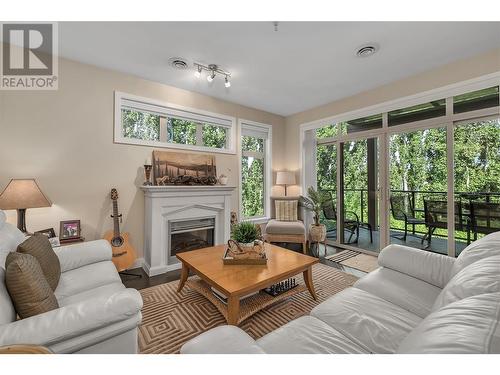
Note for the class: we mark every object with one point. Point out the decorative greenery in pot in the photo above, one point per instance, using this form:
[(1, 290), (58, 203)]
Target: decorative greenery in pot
[(245, 233), (314, 202)]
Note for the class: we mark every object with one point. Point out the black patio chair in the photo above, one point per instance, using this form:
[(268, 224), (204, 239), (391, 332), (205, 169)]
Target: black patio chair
[(402, 208), (485, 217), (352, 224), (436, 216)]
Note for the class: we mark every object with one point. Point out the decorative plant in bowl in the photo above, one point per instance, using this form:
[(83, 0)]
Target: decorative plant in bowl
[(246, 240), (314, 202)]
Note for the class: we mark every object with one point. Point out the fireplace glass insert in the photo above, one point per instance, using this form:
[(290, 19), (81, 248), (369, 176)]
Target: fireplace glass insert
[(190, 235)]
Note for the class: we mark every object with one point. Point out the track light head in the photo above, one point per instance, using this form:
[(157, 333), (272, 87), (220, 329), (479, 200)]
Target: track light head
[(197, 73), (211, 77), (227, 83)]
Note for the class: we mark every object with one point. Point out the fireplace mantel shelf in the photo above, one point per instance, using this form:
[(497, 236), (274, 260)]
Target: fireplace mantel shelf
[(187, 189)]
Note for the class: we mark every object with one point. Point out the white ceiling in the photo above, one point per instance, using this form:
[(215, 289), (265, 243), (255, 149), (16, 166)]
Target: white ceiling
[(301, 66)]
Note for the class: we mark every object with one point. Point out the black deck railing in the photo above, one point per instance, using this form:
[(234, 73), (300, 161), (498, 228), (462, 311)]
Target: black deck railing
[(417, 199)]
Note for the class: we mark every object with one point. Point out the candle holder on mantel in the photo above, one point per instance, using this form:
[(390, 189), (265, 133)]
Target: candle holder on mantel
[(147, 174)]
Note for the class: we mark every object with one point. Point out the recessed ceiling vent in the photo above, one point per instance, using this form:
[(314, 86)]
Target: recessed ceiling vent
[(367, 50), (178, 63)]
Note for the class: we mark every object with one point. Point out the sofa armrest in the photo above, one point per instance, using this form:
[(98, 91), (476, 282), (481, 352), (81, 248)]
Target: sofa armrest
[(222, 340), (73, 320), (430, 267), (82, 254)]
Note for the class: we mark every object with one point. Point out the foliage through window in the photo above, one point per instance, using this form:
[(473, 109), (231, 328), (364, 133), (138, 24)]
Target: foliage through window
[(254, 165), (141, 122)]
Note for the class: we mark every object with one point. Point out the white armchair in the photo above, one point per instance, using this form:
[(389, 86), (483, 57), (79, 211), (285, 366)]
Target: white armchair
[(96, 313)]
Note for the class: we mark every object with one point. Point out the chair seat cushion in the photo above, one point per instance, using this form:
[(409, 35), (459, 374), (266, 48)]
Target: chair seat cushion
[(407, 292), (308, 335), (285, 227), (86, 278), (376, 325)]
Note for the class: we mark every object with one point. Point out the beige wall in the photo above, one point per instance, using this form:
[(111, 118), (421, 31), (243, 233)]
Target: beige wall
[(448, 74), (64, 139)]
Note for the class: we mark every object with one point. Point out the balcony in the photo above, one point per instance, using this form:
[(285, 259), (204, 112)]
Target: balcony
[(476, 214)]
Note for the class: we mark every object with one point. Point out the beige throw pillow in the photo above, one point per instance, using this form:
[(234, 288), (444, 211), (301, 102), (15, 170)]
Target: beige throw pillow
[(286, 210), (40, 247), (29, 290)]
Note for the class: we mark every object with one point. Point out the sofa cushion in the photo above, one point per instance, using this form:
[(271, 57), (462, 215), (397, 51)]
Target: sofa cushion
[(407, 292), (480, 277), (27, 286), (308, 335), (285, 227), (7, 311), (470, 325), (222, 340), (39, 246), (485, 247), (286, 210), (100, 291), (10, 237), (86, 278), (371, 322)]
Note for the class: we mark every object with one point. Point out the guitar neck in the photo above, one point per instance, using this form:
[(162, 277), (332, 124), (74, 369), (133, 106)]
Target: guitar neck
[(116, 222)]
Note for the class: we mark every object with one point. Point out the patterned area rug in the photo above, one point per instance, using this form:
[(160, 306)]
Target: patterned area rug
[(170, 319)]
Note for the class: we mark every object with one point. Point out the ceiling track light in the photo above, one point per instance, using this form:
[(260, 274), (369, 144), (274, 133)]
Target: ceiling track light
[(212, 71), (197, 73)]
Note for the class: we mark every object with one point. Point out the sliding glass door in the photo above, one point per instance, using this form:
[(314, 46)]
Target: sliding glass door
[(359, 193), (426, 175), (418, 189)]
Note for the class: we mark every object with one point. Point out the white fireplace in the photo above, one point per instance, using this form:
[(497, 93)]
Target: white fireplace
[(182, 218)]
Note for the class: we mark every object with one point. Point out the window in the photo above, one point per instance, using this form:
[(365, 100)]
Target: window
[(255, 170), (147, 122), (472, 101)]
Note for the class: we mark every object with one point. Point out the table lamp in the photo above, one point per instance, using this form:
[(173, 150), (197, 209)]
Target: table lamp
[(285, 178), (21, 194)]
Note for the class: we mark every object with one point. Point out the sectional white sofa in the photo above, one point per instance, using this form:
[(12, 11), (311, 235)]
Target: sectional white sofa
[(416, 302), (96, 313)]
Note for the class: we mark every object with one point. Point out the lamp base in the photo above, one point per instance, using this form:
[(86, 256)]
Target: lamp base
[(21, 220)]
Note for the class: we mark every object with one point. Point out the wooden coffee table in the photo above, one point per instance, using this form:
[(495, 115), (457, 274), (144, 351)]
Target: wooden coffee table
[(236, 281)]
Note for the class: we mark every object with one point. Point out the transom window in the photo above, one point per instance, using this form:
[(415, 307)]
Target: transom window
[(147, 122)]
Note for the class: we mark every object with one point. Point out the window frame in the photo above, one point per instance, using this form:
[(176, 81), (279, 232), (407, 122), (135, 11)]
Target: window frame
[(166, 110), (265, 128)]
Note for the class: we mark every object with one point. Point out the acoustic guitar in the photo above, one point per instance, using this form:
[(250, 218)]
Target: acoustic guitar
[(124, 254)]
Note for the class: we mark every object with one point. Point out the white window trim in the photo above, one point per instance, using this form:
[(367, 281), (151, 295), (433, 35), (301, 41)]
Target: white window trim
[(447, 121), (268, 175), (177, 110)]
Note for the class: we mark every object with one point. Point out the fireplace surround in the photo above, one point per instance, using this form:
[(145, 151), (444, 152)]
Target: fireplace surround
[(182, 218)]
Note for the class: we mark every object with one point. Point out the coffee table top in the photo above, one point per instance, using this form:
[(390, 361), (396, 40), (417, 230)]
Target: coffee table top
[(244, 279)]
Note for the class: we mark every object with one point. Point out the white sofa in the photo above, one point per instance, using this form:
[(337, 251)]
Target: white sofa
[(96, 313), (416, 302)]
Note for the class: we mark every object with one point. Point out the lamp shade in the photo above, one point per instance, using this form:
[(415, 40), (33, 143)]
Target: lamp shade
[(21, 194), (285, 178)]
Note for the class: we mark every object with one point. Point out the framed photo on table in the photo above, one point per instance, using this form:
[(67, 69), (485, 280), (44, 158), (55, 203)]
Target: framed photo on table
[(69, 229), (49, 232)]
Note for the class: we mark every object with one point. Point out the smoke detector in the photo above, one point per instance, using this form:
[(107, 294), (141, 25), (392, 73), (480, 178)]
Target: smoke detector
[(178, 63), (367, 50)]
